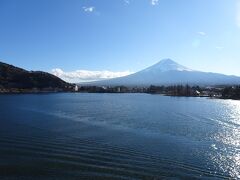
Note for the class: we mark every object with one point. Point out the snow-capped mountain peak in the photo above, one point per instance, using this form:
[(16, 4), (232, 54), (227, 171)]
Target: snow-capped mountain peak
[(168, 72), (167, 65)]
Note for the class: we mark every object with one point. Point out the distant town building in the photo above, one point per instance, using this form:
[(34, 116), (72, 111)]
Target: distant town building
[(197, 93), (118, 89), (76, 88), (104, 87)]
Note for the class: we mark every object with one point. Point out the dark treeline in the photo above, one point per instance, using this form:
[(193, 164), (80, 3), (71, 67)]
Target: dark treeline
[(112, 89), (231, 92), (17, 80), (226, 92), (176, 90)]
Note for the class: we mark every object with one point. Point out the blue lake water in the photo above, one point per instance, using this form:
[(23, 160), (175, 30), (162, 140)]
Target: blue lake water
[(118, 136)]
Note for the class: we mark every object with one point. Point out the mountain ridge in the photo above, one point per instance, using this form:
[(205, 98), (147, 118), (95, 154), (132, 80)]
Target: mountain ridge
[(15, 79), (167, 65), (168, 72)]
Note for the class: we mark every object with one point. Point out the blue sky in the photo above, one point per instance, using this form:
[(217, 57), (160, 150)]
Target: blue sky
[(120, 36)]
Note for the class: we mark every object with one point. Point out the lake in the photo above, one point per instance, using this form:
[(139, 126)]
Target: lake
[(118, 136)]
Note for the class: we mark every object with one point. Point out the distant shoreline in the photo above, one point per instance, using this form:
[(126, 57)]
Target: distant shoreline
[(59, 92), (14, 80)]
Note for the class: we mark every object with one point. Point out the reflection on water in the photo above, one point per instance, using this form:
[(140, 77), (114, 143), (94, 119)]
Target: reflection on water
[(121, 136), (227, 155)]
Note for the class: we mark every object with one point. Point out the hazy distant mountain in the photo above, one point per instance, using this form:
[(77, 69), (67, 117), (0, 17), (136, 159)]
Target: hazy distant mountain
[(167, 72), (12, 77)]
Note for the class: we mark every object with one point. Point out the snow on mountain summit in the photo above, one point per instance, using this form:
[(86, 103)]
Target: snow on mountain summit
[(167, 65), (168, 72)]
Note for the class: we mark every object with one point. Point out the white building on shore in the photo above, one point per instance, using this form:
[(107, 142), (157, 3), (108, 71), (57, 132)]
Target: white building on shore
[(76, 88)]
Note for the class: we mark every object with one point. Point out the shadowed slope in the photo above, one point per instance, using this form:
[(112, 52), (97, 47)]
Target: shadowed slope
[(14, 77)]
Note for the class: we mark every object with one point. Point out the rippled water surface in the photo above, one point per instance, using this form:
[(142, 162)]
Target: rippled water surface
[(118, 136)]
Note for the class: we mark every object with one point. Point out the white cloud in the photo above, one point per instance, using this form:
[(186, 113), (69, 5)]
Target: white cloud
[(154, 2), (219, 47), (89, 9), (126, 1), (87, 76), (202, 33), (238, 14)]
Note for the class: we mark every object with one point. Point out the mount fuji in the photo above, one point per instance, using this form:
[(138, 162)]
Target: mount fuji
[(168, 72)]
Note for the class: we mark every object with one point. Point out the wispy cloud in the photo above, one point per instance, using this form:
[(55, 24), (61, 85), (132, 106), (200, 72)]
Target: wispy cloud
[(126, 1), (87, 76), (238, 14), (154, 2), (219, 47), (89, 9), (202, 33), (198, 40)]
